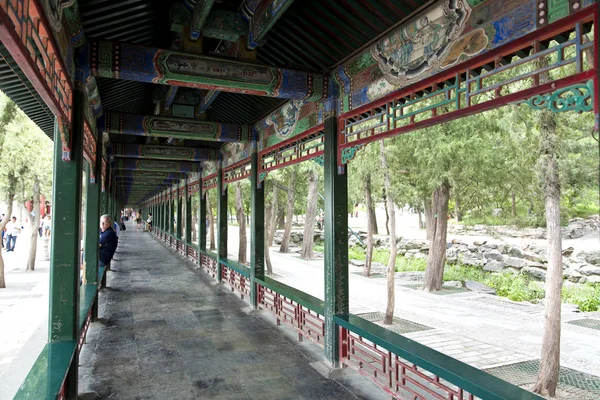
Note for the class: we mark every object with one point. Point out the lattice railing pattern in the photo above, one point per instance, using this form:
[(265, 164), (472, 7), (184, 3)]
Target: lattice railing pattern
[(209, 265), (236, 281), (297, 149), (193, 187), (181, 247), (192, 253), (395, 375), (209, 182), (306, 322), (237, 172), (509, 74)]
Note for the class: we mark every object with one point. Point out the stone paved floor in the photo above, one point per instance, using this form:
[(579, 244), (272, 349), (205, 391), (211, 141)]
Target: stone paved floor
[(168, 332)]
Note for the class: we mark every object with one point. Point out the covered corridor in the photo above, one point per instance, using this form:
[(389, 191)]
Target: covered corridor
[(165, 330)]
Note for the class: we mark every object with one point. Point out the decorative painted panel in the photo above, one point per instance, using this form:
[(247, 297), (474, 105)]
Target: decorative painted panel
[(89, 149), (235, 152), (261, 16), (156, 165), (29, 39), (210, 182), (178, 128), (490, 80), (165, 152), (446, 34), (148, 64), (236, 172)]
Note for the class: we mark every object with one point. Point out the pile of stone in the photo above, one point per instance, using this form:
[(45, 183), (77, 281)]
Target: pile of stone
[(576, 228)]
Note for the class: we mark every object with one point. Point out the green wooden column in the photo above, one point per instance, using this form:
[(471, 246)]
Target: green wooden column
[(188, 217), (257, 234), (92, 223), (202, 219), (336, 243), (179, 214), (221, 222), (170, 214), (63, 318)]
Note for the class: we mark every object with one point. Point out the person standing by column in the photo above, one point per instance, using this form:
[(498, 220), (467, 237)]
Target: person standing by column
[(107, 242), (12, 230)]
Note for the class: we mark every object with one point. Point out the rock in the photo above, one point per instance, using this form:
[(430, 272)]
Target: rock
[(592, 257), (589, 270), (357, 263), (475, 286), (514, 262), (536, 264), (568, 251), (535, 257), (479, 244), (515, 252), (494, 266), (572, 275), (410, 276), (473, 262), (511, 270), (535, 273), (414, 253), (473, 248), (296, 237), (455, 284), (493, 255), (590, 279), (414, 244)]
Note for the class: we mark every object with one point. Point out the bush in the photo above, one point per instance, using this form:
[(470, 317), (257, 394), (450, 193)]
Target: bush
[(459, 272), (516, 287), (382, 256), (587, 297)]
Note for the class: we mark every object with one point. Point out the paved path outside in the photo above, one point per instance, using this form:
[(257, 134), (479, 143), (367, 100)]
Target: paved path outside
[(23, 314), (513, 329), (168, 331)]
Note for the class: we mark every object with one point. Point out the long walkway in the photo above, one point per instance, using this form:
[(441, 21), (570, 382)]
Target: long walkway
[(166, 331)]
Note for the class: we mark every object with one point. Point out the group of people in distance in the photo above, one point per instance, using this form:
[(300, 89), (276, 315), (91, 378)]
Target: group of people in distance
[(13, 229)]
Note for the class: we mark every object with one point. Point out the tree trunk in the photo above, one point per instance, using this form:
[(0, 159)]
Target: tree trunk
[(285, 240), (311, 214), (387, 214), (391, 267), (241, 218), (458, 206), (421, 224), (514, 204), (10, 197), (434, 273), (34, 224), (371, 224), (281, 218), (272, 219), (268, 218), (211, 223), (429, 221), (547, 379)]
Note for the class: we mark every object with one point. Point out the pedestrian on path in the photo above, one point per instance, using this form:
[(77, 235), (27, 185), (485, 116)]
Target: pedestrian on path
[(13, 231), (108, 240), (139, 219), (47, 224)]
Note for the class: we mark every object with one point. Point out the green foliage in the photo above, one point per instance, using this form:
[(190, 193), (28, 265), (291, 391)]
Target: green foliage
[(382, 256), (515, 287), (587, 296), (459, 272)]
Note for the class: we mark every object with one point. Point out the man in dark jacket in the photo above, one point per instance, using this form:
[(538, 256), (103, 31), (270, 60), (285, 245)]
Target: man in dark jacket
[(108, 240)]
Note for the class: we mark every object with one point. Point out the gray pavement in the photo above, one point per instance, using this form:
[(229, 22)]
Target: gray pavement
[(168, 331), (23, 314)]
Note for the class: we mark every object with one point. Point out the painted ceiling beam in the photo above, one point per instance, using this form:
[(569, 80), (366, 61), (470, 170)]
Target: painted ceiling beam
[(199, 16), (261, 17), (132, 62), (157, 165), (177, 128), (165, 152), (149, 174)]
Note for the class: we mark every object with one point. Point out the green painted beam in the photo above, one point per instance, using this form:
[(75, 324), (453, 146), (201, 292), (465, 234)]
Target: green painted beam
[(336, 243), (257, 234)]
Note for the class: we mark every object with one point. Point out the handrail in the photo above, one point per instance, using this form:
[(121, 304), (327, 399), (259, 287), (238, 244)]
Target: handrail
[(239, 268), (302, 298), (466, 377)]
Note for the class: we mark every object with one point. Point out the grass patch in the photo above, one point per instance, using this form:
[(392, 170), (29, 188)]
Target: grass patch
[(382, 256), (458, 272), (587, 296), (516, 287)]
